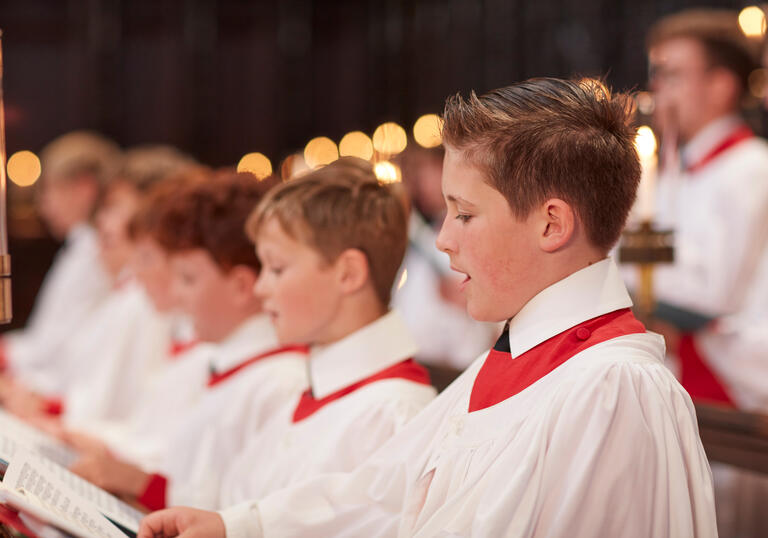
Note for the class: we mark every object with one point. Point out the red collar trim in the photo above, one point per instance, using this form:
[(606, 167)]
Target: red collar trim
[(408, 369), (10, 517), (177, 348), (740, 134), (697, 377), (216, 378), (502, 377)]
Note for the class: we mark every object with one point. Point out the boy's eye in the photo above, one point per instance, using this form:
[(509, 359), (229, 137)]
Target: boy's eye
[(276, 270), (463, 218)]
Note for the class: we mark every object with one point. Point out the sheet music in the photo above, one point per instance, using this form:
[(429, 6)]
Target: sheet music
[(107, 504), (43, 496), (47, 445)]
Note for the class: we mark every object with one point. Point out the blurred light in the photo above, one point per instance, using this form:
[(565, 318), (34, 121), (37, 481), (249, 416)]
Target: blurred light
[(356, 144), (426, 131), (293, 166), (752, 21), (320, 151), (403, 279), (24, 168), (645, 103), (757, 82), (645, 142), (389, 138), (257, 164), (387, 172)]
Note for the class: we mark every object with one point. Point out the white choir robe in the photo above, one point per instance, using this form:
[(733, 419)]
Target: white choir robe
[(74, 286), (719, 214), (124, 342), (606, 444), (349, 427), (242, 395), (736, 347), (443, 331), (142, 437)]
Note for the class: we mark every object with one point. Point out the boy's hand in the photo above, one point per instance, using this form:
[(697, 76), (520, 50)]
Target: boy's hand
[(106, 471), (83, 442), (183, 522), (23, 402)]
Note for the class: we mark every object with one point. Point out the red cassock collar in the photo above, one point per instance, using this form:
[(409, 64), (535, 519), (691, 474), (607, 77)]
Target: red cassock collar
[(176, 349), (407, 369), (218, 377), (502, 376), (740, 134)]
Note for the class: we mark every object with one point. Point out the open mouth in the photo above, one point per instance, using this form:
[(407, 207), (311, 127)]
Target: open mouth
[(464, 282)]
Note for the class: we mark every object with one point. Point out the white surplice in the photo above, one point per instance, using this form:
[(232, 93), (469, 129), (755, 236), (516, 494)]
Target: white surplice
[(343, 433), (604, 445), (214, 431), (142, 438), (118, 349), (74, 286), (736, 347), (719, 215)]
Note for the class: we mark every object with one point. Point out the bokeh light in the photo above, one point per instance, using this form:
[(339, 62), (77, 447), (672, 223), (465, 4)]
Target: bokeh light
[(257, 164), (24, 168), (356, 144), (426, 131), (752, 21), (320, 151), (389, 138), (645, 141), (387, 172)]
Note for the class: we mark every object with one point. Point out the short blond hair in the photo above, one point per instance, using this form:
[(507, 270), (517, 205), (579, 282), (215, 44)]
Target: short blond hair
[(719, 33), (341, 206), (79, 153)]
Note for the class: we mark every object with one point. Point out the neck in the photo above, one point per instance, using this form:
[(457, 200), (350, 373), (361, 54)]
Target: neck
[(237, 318), (354, 313)]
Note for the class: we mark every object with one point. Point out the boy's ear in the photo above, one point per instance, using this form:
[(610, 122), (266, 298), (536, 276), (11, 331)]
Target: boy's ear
[(243, 280), (352, 270), (559, 224)]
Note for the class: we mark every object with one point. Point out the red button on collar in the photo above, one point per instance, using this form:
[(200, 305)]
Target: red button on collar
[(582, 333)]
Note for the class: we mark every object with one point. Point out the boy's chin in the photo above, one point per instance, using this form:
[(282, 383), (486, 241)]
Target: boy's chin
[(484, 312)]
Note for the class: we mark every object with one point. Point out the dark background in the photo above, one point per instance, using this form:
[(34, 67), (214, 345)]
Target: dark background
[(222, 78)]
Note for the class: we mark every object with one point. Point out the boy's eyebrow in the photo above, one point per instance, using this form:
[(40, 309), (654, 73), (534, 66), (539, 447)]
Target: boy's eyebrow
[(459, 200)]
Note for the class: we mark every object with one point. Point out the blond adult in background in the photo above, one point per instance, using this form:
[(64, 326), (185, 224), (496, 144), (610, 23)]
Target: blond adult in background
[(716, 201), (714, 195), (76, 168)]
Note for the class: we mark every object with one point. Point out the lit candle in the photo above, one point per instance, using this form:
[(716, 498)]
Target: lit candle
[(645, 143)]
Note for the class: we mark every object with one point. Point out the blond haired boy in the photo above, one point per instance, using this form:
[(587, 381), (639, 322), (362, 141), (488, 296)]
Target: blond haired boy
[(331, 244)]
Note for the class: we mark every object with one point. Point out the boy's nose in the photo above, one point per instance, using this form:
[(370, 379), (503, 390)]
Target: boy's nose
[(258, 287), (444, 242)]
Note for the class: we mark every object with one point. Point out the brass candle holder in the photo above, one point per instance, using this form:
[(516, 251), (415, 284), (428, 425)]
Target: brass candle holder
[(646, 247)]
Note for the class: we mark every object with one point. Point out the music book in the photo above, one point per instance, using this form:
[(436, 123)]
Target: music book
[(51, 500)]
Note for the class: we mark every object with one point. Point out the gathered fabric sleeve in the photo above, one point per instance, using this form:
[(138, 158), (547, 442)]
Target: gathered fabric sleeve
[(620, 456)]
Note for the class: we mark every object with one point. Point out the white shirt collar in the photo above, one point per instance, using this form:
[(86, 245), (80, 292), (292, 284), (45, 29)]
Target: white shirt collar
[(708, 138), (581, 296), (252, 337), (80, 234), (369, 350)]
